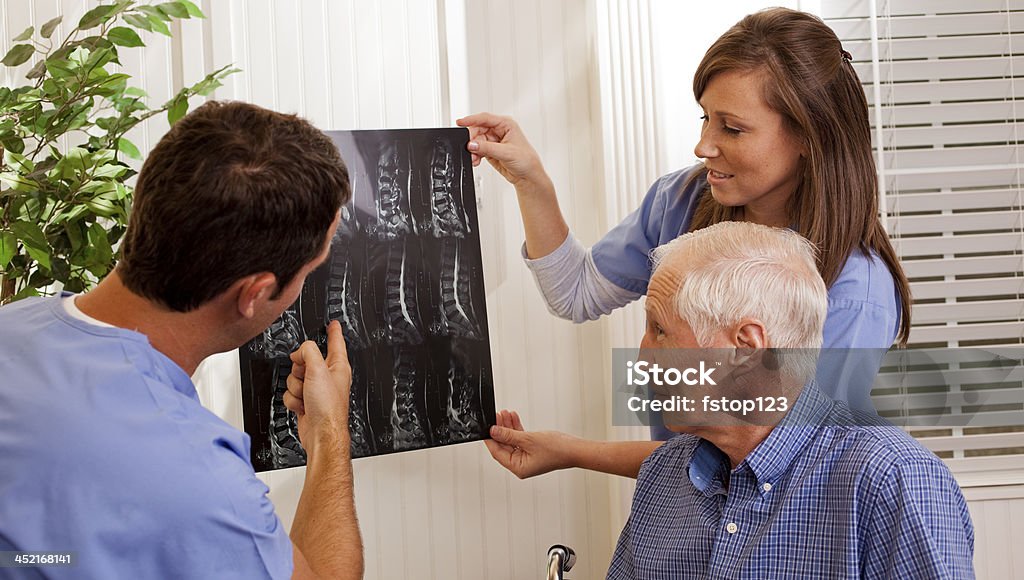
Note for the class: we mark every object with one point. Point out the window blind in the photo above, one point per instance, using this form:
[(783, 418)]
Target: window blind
[(945, 83)]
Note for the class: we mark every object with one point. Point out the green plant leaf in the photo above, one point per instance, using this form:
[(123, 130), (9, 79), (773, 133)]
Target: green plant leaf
[(36, 71), (8, 247), (191, 8), (138, 21), (109, 171), (15, 144), (74, 162), (100, 244), (154, 12), (18, 162), (60, 269), (128, 148), (177, 110), (25, 293), (19, 54), (60, 68), (46, 30), (99, 188), (207, 87), (128, 106), (71, 215), (101, 51), (174, 10), (75, 285), (97, 16), (124, 36), (103, 207), (25, 35), (79, 56), (106, 123), (18, 183), (75, 231), (159, 26), (34, 240), (103, 156), (111, 86)]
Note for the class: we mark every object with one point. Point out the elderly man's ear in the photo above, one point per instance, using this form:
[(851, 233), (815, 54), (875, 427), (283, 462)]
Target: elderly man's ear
[(749, 339)]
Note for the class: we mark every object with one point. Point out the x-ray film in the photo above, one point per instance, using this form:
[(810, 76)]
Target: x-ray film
[(404, 279)]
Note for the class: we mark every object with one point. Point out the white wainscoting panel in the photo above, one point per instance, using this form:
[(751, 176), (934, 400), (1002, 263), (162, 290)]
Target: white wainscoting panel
[(998, 515)]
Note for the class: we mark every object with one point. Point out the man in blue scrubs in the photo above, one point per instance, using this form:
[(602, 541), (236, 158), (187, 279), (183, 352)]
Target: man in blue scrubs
[(106, 450)]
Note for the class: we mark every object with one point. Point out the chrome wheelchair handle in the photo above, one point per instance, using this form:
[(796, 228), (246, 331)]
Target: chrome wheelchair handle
[(560, 559)]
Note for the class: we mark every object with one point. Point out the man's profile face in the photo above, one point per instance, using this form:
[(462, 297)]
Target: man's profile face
[(668, 340), (665, 329), (670, 343)]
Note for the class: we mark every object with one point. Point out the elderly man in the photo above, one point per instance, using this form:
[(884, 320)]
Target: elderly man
[(816, 491), (107, 451)]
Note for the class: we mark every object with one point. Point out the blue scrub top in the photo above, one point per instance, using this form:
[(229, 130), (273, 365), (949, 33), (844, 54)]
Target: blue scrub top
[(107, 452)]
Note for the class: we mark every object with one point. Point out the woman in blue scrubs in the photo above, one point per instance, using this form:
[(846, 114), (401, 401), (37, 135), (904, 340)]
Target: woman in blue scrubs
[(785, 142)]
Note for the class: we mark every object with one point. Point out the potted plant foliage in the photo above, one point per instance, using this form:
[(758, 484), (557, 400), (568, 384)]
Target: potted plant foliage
[(64, 191)]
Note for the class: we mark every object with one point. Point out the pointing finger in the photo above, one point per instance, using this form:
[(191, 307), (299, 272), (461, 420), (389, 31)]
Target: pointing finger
[(337, 352)]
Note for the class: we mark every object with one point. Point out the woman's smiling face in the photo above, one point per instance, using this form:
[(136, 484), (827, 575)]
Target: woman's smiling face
[(753, 159)]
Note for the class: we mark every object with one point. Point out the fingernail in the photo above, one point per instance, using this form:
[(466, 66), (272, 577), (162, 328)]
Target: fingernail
[(473, 145)]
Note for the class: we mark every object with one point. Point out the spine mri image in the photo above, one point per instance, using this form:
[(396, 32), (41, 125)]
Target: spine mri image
[(405, 281)]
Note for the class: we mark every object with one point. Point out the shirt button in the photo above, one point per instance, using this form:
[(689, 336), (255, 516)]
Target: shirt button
[(731, 527), (767, 487)]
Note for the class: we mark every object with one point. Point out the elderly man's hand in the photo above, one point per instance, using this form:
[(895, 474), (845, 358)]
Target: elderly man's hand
[(529, 453)]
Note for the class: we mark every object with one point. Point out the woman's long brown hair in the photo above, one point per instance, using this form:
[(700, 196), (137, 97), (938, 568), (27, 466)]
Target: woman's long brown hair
[(808, 80)]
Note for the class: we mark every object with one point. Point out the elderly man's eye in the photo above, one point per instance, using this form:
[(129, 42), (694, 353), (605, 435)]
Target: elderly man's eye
[(655, 330)]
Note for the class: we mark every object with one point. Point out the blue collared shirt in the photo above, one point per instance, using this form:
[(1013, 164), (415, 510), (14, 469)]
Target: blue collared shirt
[(108, 453), (826, 495)]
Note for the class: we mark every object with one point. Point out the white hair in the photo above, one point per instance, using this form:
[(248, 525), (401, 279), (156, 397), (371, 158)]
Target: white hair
[(737, 270)]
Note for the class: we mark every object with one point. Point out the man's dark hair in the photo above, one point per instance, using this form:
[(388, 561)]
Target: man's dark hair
[(232, 190)]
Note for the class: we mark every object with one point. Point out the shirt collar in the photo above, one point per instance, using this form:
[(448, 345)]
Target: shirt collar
[(708, 467), (773, 456)]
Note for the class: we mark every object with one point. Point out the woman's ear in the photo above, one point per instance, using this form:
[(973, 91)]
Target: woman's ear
[(253, 290)]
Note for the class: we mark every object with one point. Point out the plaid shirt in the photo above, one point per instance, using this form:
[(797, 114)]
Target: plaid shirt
[(823, 496)]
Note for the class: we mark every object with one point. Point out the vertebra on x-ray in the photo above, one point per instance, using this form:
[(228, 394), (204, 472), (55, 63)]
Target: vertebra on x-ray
[(394, 216), (445, 200), (282, 337), (455, 315)]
